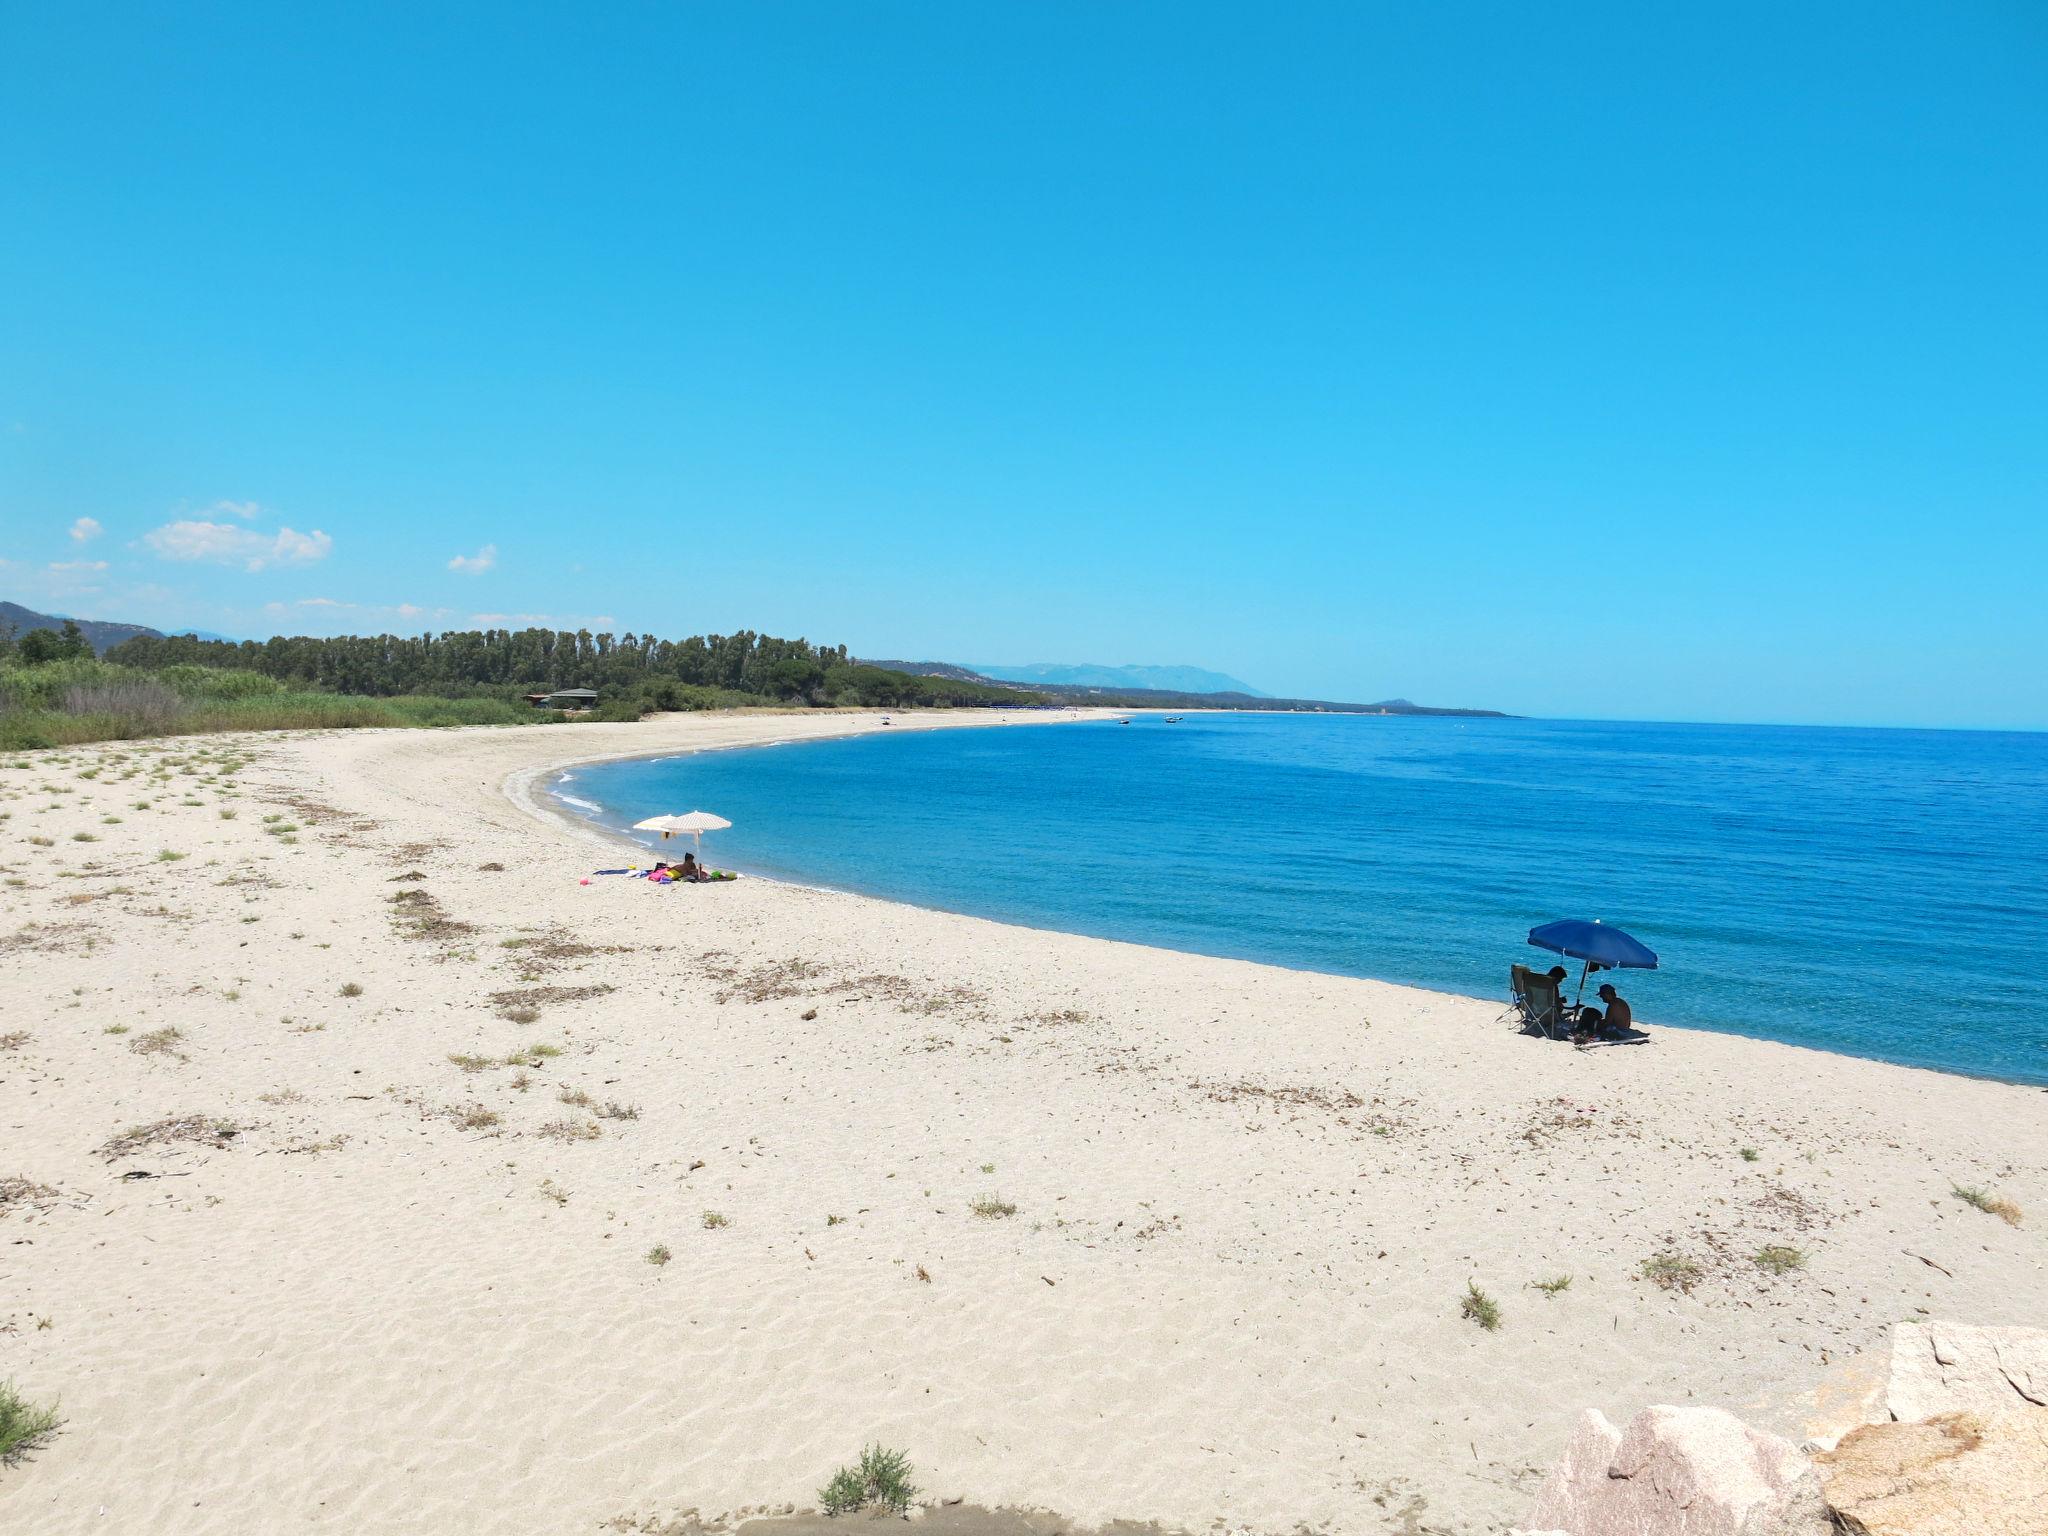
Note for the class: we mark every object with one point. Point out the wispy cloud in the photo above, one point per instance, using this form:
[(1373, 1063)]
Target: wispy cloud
[(359, 613), (224, 544), (247, 511), (547, 620), (85, 530), (77, 567), (476, 564)]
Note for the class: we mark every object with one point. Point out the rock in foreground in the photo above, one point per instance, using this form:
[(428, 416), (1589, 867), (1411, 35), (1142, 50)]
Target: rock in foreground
[(1956, 1474), (1681, 1472), (1942, 1368)]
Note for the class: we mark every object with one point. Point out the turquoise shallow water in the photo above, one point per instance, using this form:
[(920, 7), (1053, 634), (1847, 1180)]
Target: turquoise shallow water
[(1881, 893)]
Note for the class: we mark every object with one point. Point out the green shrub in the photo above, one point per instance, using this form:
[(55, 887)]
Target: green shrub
[(879, 1480), (23, 1425), (1479, 1307)]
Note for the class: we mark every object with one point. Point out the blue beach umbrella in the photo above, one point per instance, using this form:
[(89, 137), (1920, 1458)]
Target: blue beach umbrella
[(1596, 944)]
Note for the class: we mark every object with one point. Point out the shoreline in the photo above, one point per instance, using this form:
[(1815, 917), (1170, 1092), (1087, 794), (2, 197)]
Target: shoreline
[(529, 789), (1231, 1208)]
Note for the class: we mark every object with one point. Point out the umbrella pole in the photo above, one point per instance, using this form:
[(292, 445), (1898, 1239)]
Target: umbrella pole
[(1581, 998)]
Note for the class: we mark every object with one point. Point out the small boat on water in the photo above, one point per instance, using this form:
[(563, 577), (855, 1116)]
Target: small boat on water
[(1173, 719)]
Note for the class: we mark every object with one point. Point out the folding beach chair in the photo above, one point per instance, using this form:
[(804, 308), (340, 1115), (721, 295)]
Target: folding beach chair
[(1536, 1002)]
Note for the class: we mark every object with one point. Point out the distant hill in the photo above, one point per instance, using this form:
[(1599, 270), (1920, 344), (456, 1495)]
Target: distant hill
[(102, 633), (1049, 674), (1176, 698), (944, 669)]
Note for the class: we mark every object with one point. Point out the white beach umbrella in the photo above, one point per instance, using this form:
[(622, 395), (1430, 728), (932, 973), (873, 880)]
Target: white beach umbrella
[(696, 823)]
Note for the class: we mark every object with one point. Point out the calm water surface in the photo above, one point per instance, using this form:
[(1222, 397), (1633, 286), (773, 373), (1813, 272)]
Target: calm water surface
[(1882, 893)]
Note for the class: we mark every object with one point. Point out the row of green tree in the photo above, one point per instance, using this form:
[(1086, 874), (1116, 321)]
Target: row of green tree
[(625, 669), (41, 645)]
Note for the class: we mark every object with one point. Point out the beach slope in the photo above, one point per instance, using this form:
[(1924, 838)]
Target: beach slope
[(364, 1171)]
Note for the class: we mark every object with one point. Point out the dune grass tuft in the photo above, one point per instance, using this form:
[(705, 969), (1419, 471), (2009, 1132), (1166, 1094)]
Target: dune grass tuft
[(880, 1480), (659, 1255), (1554, 1285), (23, 1425), (1479, 1307), (1989, 1202), (991, 1207), (1777, 1259), (1672, 1271)]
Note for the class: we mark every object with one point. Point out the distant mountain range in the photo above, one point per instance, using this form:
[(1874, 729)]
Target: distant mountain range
[(102, 634), (1049, 674), (1130, 696)]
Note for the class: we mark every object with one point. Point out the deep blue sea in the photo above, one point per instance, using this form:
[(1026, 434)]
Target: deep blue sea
[(1877, 892)]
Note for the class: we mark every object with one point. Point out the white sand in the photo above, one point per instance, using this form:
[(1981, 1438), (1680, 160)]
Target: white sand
[(1248, 1200)]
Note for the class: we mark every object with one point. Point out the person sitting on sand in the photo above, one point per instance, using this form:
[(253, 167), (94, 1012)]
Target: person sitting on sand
[(1620, 1016), (691, 870)]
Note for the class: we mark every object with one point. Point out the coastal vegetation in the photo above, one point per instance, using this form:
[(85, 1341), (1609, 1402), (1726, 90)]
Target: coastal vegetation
[(880, 1480), (1479, 1307), (1673, 1271), (1778, 1259), (23, 1425), (1989, 1203), (54, 692)]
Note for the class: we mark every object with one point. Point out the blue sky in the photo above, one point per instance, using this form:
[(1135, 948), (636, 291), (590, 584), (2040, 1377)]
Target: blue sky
[(1612, 360)]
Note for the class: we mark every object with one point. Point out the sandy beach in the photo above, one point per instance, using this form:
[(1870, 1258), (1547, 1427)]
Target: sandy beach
[(338, 1149)]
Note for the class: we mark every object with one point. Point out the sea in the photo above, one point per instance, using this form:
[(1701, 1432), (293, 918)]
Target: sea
[(1881, 893)]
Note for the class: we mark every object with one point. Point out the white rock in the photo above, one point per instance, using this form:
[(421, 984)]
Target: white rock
[(1942, 1367), (1579, 1474), (1682, 1472)]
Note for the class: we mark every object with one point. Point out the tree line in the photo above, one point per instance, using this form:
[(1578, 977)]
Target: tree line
[(41, 645), (665, 674)]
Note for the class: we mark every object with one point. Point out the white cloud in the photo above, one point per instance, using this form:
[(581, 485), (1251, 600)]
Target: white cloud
[(75, 566), (247, 511), (476, 564), (408, 610), (223, 544), (85, 530), (322, 602)]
